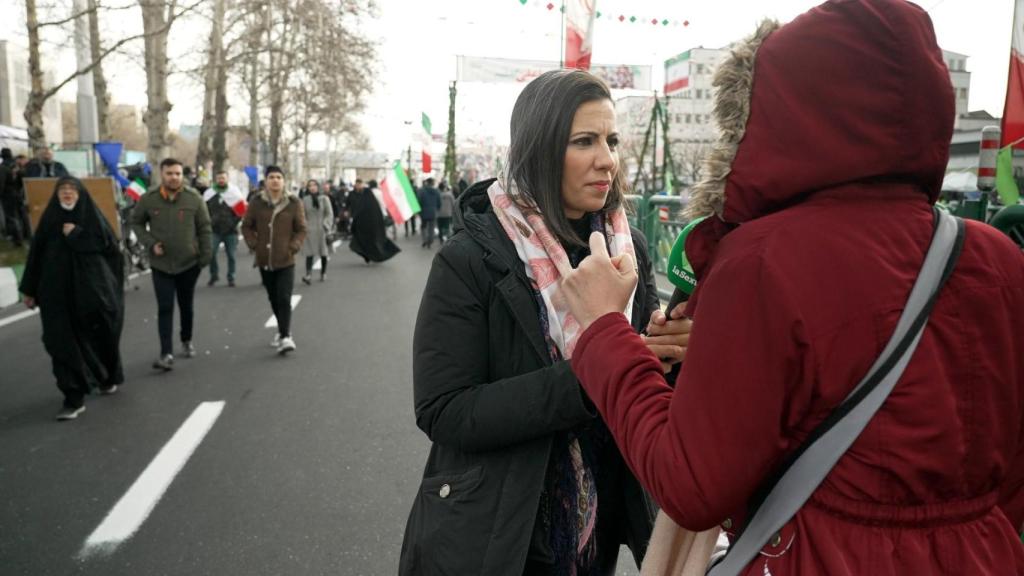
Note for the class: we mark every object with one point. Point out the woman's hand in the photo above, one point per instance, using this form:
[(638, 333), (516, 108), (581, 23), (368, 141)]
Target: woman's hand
[(30, 302), (668, 338), (600, 284), (68, 228)]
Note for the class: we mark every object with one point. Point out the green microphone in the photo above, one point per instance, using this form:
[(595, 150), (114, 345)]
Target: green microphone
[(680, 273)]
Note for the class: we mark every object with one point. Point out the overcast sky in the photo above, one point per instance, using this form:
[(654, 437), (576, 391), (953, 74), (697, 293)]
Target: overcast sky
[(418, 41)]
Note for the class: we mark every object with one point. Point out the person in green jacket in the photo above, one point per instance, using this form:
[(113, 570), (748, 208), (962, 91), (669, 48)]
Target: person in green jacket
[(174, 226)]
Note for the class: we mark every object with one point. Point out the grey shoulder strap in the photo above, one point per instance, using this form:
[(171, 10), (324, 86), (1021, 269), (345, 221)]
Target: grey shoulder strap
[(787, 491)]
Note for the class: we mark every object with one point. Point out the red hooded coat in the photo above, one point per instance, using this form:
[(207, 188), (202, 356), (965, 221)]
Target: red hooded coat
[(835, 138)]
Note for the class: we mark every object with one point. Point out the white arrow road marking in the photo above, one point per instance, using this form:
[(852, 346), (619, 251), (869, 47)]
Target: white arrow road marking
[(272, 323), (125, 518)]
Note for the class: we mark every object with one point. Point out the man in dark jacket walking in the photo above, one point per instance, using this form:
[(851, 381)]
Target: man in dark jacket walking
[(430, 203), (44, 166), (174, 225), (224, 222), (275, 228)]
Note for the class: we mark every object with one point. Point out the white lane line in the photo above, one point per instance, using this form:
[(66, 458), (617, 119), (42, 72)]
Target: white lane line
[(29, 313), (125, 518), (272, 323), (18, 316)]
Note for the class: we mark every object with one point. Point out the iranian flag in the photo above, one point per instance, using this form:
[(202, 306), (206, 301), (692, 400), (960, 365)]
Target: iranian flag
[(1013, 109), (232, 197), (579, 33), (677, 73), (135, 189), (399, 197)]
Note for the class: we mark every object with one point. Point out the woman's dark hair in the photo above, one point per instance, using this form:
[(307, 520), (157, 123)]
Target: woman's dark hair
[(541, 124)]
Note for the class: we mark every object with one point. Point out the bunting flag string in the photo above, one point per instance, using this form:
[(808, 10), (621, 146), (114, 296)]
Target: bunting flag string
[(618, 17)]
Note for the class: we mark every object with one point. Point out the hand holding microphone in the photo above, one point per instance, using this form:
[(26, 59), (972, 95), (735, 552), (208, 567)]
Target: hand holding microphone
[(668, 336)]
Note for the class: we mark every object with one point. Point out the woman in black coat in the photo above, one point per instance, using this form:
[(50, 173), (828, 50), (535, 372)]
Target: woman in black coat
[(369, 237), (523, 476), (75, 275)]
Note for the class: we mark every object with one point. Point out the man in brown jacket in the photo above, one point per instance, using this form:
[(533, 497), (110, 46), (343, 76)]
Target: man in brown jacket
[(274, 228)]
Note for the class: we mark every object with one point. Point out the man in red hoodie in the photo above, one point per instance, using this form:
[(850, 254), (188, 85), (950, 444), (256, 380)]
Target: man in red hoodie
[(835, 134)]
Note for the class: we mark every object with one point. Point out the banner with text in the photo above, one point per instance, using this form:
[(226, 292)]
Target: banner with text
[(499, 70)]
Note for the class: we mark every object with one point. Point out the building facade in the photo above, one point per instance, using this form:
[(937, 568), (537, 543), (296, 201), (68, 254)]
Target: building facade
[(15, 86)]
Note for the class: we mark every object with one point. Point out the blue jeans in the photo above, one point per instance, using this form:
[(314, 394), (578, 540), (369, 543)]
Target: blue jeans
[(230, 244)]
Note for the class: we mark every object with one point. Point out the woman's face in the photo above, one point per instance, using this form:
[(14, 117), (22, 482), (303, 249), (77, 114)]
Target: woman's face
[(312, 187), (68, 195), (591, 159)]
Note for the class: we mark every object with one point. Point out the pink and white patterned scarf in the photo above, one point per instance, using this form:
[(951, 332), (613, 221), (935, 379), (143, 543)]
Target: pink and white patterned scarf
[(546, 260)]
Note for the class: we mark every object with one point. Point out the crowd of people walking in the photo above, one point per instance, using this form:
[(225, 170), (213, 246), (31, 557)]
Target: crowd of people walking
[(181, 225)]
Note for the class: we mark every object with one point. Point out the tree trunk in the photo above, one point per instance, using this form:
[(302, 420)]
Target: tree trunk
[(36, 98), (155, 26), (254, 101), (220, 125), (207, 130), (276, 100), (99, 81), (449, 151)]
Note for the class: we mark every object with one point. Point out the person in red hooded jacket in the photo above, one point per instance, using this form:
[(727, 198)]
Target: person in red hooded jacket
[(835, 131)]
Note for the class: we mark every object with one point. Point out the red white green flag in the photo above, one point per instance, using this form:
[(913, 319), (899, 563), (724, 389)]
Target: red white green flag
[(232, 196), (1013, 109), (579, 33), (399, 197), (135, 190)]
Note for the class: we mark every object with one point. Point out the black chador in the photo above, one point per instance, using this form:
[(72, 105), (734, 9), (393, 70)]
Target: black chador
[(77, 282)]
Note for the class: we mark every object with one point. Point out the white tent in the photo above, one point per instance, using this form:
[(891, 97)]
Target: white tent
[(14, 138)]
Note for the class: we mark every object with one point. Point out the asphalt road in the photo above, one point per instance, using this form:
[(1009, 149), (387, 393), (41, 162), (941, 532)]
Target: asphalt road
[(310, 467)]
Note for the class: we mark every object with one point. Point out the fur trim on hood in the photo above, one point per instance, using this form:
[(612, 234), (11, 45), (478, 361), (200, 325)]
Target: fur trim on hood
[(733, 81)]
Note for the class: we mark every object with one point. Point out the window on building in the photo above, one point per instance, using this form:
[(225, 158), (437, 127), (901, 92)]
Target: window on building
[(689, 117), (700, 68), (700, 93), (696, 118)]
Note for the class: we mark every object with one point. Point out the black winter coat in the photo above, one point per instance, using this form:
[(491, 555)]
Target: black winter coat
[(490, 398)]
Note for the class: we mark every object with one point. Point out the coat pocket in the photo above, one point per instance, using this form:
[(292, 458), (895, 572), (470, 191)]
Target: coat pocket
[(452, 524)]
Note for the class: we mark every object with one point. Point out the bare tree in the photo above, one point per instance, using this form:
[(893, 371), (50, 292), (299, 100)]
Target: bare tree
[(157, 17), (212, 84), (689, 159), (99, 80), (39, 94)]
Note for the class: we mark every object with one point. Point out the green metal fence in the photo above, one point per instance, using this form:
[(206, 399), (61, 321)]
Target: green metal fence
[(661, 220)]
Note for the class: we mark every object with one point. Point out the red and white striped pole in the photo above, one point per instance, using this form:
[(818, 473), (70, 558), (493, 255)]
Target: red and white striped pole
[(987, 158)]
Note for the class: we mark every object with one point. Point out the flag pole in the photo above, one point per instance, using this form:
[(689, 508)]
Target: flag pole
[(561, 40)]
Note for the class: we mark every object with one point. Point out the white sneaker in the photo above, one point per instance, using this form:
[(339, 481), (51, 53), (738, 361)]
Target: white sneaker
[(276, 342), (287, 345)]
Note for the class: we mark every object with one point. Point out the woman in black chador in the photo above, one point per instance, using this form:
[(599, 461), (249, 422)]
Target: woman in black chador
[(75, 275), (369, 237)]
